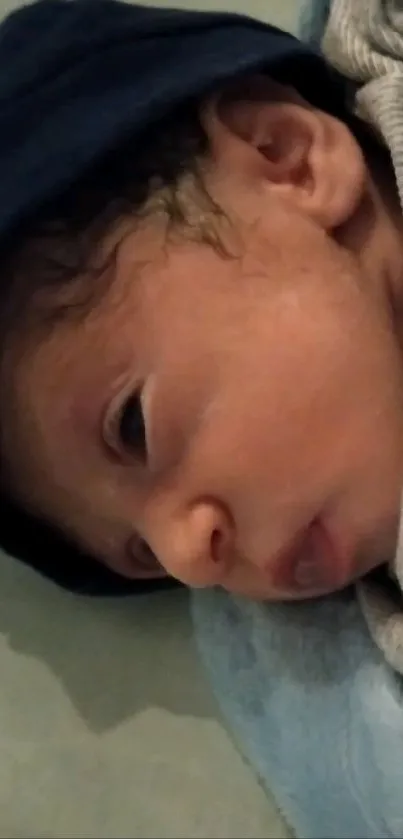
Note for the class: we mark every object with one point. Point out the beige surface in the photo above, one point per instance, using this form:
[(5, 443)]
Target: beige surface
[(281, 12), (107, 726)]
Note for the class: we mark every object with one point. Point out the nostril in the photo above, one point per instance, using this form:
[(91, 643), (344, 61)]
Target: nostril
[(217, 540), (219, 545)]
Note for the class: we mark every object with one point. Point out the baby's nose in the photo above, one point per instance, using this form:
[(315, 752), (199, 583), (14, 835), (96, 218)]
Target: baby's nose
[(198, 546)]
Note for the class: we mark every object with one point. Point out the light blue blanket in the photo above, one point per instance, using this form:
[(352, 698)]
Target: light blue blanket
[(313, 706), (310, 699)]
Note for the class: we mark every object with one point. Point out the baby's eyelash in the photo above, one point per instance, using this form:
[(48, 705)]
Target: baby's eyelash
[(131, 426), (124, 429), (141, 552)]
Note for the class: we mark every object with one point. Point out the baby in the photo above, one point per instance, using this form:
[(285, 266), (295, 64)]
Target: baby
[(201, 304)]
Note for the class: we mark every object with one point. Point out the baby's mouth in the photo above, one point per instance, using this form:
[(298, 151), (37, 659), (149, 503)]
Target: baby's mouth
[(311, 565)]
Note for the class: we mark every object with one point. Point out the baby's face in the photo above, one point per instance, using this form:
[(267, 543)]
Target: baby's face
[(270, 391), (242, 416)]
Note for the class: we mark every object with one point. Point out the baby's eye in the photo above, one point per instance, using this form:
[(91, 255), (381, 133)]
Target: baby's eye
[(145, 561), (131, 427)]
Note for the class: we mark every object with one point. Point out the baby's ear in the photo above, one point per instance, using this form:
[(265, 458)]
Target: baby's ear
[(265, 131)]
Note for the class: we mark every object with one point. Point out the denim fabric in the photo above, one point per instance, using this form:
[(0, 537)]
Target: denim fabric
[(313, 706), (312, 20)]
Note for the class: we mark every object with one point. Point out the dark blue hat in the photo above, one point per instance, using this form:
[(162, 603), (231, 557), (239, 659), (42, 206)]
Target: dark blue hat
[(76, 78)]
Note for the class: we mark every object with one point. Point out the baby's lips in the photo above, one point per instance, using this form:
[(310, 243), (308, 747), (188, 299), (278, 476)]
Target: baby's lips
[(311, 566)]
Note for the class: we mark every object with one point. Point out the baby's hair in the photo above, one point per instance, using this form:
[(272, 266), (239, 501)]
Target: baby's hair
[(59, 247)]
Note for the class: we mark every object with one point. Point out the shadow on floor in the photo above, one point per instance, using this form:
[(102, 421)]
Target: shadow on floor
[(114, 658)]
